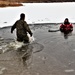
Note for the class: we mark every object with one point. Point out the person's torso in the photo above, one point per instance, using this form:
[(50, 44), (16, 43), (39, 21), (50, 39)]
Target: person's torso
[(67, 26), (20, 27)]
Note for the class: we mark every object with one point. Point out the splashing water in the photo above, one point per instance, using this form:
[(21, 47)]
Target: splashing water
[(14, 45), (17, 44), (31, 39)]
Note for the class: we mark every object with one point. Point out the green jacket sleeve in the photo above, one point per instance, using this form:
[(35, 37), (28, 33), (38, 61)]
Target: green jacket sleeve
[(13, 27)]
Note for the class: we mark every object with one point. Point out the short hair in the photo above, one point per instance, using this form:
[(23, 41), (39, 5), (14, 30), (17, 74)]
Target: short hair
[(66, 19), (22, 15)]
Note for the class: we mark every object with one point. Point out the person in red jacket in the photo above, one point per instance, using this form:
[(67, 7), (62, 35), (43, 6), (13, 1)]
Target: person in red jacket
[(67, 27)]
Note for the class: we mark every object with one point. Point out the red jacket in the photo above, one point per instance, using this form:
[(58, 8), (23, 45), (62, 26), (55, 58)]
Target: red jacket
[(66, 26)]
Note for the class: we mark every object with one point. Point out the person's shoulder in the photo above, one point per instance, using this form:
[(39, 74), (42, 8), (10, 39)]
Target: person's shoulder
[(71, 24), (61, 24), (25, 22), (17, 21)]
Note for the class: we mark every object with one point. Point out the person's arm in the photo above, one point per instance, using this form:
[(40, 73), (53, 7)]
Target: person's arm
[(61, 27), (13, 27), (26, 27)]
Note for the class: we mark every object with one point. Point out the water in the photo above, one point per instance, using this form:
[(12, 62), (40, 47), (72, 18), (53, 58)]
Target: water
[(49, 53), (12, 49)]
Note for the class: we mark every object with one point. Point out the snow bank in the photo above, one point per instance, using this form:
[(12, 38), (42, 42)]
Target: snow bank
[(38, 13)]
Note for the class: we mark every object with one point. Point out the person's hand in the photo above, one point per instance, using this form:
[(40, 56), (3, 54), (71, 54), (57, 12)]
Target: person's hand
[(31, 34)]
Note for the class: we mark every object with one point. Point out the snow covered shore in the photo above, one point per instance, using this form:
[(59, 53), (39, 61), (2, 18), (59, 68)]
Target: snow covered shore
[(38, 13)]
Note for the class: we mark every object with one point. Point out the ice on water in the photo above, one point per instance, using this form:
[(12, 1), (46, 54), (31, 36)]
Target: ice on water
[(70, 70), (1, 70)]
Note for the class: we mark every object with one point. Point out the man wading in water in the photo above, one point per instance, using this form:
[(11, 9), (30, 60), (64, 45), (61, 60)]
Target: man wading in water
[(21, 29)]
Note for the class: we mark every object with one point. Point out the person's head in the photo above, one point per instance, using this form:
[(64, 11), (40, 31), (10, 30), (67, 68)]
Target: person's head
[(22, 16), (66, 21)]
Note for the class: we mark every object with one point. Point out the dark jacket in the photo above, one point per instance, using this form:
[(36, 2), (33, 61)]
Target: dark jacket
[(21, 29)]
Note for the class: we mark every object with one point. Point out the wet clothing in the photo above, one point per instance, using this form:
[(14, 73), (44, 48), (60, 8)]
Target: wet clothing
[(66, 28), (21, 30)]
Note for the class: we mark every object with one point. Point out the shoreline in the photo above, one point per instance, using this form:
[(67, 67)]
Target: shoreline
[(36, 24), (9, 4)]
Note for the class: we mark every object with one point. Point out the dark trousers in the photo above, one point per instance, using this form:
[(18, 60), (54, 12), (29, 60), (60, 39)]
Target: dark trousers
[(23, 38)]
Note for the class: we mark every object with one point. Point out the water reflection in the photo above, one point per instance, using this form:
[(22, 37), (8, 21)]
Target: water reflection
[(25, 53), (21, 57), (66, 36)]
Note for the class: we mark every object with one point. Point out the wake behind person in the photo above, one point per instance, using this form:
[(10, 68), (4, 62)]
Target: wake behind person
[(21, 29)]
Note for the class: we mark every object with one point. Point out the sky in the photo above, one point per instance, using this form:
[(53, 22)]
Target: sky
[(38, 13)]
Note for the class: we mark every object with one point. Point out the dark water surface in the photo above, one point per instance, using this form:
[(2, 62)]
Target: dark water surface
[(49, 54)]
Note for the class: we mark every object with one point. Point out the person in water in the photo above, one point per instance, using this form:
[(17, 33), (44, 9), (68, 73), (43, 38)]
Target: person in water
[(67, 27), (21, 29)]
